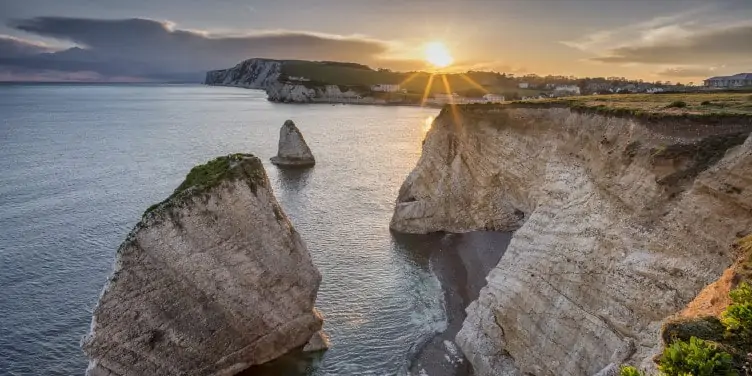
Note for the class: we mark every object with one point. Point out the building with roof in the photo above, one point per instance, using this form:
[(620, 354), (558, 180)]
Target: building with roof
[(387, 88), (737, 80)]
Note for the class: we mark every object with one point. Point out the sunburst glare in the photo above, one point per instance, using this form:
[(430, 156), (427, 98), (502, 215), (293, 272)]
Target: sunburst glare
[(438, 55)]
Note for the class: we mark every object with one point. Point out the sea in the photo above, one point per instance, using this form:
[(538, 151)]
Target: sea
[(79, 163)]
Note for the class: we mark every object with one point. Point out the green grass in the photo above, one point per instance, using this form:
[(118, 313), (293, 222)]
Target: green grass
[(206, 176)]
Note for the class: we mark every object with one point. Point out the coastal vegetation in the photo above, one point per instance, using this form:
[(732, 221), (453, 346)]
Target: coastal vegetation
[(209, 175), (638, 104), (707, 345)]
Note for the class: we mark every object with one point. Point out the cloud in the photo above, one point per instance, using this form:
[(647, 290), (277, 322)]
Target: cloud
[(706, 36), (713, 46), (688, 72), (16, 47), (641, 32), (151, 48)]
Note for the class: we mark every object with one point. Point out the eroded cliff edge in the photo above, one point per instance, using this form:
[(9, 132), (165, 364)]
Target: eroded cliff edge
[(211, 281), (620, 221)]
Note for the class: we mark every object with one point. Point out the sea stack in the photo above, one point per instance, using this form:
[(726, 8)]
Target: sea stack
[(213, 280), (293, 150)]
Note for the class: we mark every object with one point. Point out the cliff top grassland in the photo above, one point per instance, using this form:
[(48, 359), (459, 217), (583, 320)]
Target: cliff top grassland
[(206, 176), (661, 105)]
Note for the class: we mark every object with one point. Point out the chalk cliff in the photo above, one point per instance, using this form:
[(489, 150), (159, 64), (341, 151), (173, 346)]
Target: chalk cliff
[(308, 93), (211, 281), (251, 74), (620, 221), (292, 151)]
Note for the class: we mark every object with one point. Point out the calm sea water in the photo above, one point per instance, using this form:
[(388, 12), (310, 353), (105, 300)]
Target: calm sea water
[(81, 163)]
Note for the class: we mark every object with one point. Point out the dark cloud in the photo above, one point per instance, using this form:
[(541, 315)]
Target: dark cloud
[(144, 47), (717, 46)]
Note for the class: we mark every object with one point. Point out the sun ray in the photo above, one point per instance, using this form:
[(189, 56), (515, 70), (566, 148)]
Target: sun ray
[(473, 83), (429, 85), (410, 78), (452, 105)]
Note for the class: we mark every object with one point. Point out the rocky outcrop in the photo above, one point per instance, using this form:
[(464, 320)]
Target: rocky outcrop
[(620, 222), (211, 281), (293, 151), (251, 74)]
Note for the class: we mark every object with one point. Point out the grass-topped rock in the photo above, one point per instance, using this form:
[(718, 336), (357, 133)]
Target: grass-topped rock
[(211, 281), (206, 176)]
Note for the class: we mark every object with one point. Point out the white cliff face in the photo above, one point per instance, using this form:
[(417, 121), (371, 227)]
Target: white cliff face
[(300, 93), (292, 149), (211, 281), (251, 74), (619, 224)]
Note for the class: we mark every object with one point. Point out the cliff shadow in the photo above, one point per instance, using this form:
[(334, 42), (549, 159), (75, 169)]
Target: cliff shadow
[(294, 363), (461, 263)]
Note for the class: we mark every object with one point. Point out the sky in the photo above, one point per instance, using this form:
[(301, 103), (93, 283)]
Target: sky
[(115, 40)]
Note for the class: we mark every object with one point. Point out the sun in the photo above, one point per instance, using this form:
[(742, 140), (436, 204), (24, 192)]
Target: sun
[(438, 55)]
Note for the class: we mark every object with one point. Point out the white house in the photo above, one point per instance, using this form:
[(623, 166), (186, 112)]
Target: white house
[(567, 90), (523, 85), (296, 78), (737, 80), (387, 88), (443, 98), (493, 98)]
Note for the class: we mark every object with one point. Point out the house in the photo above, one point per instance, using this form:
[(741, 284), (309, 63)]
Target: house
[(654, 90), (737, 80), (387, 88), (296, 78), (443, 98), (562, 90), (523, 85), (493, 98)]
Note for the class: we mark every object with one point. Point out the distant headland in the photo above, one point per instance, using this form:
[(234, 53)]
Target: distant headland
[(299, 81)]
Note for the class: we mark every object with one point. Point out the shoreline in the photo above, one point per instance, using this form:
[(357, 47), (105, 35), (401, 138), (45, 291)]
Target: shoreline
[(461, 262)]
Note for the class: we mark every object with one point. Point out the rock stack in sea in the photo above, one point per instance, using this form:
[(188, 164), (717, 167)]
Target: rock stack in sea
[(293, 150), (213, 280)]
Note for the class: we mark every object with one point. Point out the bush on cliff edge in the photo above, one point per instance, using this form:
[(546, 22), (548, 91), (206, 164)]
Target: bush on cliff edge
[(696, 358)]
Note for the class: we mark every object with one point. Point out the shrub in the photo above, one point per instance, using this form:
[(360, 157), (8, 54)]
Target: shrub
[(677, 104), (630, 371), (696, 358), (682, 329), (738, 319), (741, 294), (705, 103)]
